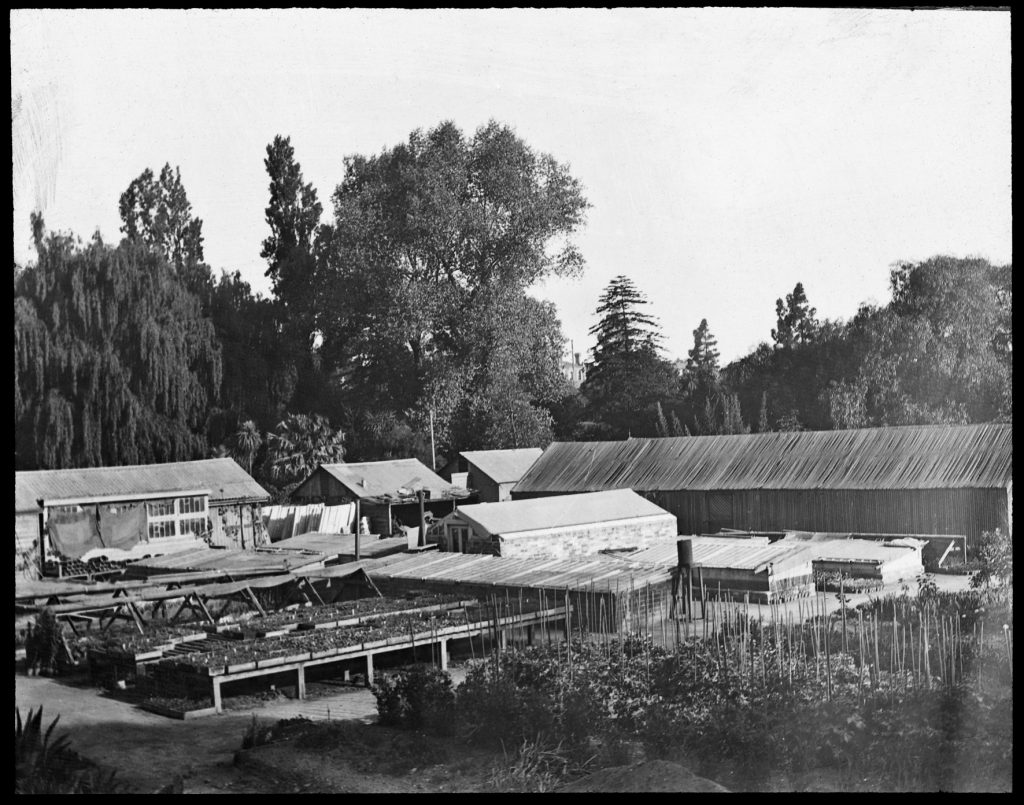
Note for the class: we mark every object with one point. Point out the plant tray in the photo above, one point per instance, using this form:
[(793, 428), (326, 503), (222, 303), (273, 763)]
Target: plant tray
[(186, 638), (239, 667), (326, 625), (306, 626), (155, 654), (273, 633), (394, 641), (374, 644), (328, 652)]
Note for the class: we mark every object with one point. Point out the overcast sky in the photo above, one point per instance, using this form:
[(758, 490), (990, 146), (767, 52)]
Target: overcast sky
[(727, 153)]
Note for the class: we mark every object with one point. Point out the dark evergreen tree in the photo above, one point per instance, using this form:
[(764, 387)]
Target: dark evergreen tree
[(796, 323)]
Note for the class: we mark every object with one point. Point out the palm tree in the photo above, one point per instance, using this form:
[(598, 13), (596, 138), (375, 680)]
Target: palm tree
[(300, 443), (247, 441)]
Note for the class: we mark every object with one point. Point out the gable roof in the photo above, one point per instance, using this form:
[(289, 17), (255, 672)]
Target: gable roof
[(513, 516), (379, 479), (225, 479), (911, 457), (503, 466)]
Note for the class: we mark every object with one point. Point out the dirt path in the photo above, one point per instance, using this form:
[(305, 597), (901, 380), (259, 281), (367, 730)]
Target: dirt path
[(149, 750)]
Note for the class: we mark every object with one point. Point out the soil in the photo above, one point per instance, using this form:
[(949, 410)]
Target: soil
[(646, 776)]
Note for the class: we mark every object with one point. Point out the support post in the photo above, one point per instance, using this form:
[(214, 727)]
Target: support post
[(529, 635), (423, 520), (689, 594), (217, 703), (443, 646), (300, 686), (357, 529), (369, 670)]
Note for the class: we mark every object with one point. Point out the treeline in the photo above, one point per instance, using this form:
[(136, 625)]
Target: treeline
[(406, 316), (939, 352), (402, 327)]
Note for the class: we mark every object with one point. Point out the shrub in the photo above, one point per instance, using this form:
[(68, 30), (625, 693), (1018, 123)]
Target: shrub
[(995, 557), (416, 697)]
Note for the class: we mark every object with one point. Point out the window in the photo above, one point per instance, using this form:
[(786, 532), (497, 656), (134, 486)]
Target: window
[(193, 525), (195, 505), (161, 528), (160, 508)]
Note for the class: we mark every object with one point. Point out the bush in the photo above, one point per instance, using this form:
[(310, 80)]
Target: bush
[(416, 697), (493, 708), (995, 557)]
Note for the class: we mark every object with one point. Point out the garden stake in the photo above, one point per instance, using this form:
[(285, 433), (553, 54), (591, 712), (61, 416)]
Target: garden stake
[(1009, 652)]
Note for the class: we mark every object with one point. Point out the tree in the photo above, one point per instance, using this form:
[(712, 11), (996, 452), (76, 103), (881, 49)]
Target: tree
[(627, 377), (796, 322), (427, 236), (293, 216), (157, 212), (114, 360), (622, 329), (299, 444), (702, 360), (247, 442)]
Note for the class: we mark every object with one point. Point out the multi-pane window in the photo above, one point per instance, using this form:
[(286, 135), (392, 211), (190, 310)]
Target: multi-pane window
[(177, 516), (196, 505), (160, 508), (193, 525), (161, 528)]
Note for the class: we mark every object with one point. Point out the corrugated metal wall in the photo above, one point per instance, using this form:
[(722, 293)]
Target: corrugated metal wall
[(916, 511)]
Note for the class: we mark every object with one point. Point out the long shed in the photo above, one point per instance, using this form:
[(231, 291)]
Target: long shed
[(928, 479), (140, 509), (562, 526)]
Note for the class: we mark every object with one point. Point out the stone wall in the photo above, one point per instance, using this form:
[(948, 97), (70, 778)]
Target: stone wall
[(585, 540)]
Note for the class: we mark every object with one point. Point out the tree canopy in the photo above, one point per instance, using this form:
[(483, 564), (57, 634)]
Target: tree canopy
[(114, 361)]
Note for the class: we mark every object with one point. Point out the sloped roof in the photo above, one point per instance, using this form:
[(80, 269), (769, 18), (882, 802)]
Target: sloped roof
[(911, 457), (225, 479), (503, 466), (512, 516), (733, 554), (587, 573), (373, 479)]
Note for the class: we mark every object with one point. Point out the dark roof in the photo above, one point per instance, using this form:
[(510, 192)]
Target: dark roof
[(560, 511), (912, 457), (225, 479), (399, 479), (503, 466)]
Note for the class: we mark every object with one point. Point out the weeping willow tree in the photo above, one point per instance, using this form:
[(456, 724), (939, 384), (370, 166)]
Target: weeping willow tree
[(114, 361)]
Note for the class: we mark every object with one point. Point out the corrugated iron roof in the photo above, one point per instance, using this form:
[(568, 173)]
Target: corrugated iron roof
[(503, 466), (225, 479), (373, 479), (585, 573), (911, 457), (514, 516), (730, 554)]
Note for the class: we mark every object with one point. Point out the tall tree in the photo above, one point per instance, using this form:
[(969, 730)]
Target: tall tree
[(622, 329), (293, 216), (114, 361), (156, 212), (247, 441), (425, 235), (627, 377), (796, 322), (702, 360)]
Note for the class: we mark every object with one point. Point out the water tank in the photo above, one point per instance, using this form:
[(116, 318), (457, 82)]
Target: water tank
[(684, 548)]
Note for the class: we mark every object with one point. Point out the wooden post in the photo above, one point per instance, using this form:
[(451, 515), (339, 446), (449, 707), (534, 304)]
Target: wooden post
[(443, 645), (689, 594), (300, 686), (369, 670), (703, 599), (423, 520), (356, 529), (217, 703)]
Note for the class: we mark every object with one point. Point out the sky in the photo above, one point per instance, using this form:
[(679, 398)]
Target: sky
[(727, 153)]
